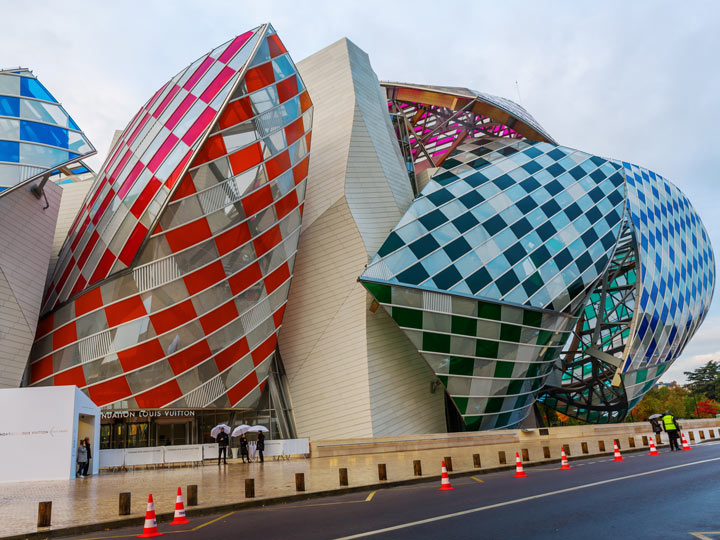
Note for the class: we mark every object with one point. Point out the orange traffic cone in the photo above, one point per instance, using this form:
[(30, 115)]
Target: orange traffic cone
[(564, 465), (653, 450), (618, 456), (519, 472), (686, 446), (180, 518), (150, 529), (445, 481)]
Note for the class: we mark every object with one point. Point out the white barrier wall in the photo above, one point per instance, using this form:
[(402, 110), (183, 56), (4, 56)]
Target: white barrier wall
[(157, 455), (39, 439)]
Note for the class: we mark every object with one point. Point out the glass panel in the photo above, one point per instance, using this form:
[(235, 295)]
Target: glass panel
[(10, 84), (42, 156), (44, 112), (9, 129)]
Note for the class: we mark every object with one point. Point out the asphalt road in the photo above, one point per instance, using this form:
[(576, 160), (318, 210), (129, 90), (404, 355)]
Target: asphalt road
[(671, 496)]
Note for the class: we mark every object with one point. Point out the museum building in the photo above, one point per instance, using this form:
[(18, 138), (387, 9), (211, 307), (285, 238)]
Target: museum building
[(305, 247)]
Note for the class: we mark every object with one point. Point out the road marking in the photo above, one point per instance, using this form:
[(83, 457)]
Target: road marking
[(477, 479), (210, 522), (523, 499), (370, 496), (702, 536)]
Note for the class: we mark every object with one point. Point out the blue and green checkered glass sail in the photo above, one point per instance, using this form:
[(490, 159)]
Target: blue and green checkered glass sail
[(488, 268), (497, 267)]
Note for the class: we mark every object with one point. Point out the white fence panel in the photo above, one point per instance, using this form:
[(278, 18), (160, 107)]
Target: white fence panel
[(210, 451), (293, 447), (153, 455), (189, 452), (112, 458)]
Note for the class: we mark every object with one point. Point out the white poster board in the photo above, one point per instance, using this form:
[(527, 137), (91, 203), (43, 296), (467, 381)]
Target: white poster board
[(39, 439)]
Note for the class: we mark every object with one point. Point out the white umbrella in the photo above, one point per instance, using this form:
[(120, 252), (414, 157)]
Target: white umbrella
[(255, 429), (214, 432), (242, 428), (653, 416)]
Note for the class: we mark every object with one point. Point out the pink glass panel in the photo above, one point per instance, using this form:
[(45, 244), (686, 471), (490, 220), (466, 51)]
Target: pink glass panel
[(199, 72), (199, 126), (215, 86), (180, 111), (234, 47), (168, 99), (137, 129), (162, 152), (127, 184)]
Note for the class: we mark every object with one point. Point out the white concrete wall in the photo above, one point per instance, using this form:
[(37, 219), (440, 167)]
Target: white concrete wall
[(351, 373), (39, 440), (26, 235)]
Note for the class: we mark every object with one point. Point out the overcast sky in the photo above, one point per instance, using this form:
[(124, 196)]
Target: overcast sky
[(637, 81)]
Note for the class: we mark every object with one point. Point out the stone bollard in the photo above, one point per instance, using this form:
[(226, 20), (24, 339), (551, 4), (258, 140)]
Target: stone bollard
[(44, 514), (192, 495), (343, 476), (417, 467), (476, 461), (124, 504), (299, 481), (382, 472), (448, 463), (249, 488)]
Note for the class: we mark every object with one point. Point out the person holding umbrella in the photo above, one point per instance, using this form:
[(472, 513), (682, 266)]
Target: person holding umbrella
[(261, 445), (220, 432), (244, 448), (657, 429)]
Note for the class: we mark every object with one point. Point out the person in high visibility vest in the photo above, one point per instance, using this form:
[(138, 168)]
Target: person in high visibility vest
[(672, 428)]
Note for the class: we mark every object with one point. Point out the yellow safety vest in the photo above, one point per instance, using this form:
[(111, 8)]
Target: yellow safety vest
[(669, 421)]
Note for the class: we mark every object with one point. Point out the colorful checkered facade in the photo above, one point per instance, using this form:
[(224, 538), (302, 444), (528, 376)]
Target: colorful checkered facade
[(516, 225), (171, 286), (36, 133), (677, 277)]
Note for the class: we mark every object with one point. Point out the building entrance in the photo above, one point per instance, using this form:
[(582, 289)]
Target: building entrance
[(172, 433)]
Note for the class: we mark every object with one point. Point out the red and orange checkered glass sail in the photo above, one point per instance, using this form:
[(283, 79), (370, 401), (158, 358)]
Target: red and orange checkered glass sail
[(171, 286)]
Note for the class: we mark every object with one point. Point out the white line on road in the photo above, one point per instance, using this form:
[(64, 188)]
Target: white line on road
[(523, 499)]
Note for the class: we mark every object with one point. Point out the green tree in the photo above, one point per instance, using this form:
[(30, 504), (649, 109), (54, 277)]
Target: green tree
[(705, 380)]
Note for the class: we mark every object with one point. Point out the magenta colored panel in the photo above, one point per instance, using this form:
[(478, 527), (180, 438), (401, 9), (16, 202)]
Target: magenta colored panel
[(215, 86), (138, 129), (199, 126), (199, 72), (103, 206), (127, 184), (168, 99), (157, 94), (234, 47), (120, 166), (162, 152), (180, 111)]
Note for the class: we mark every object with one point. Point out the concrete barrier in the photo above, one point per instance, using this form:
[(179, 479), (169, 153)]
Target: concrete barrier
[(537, 444)]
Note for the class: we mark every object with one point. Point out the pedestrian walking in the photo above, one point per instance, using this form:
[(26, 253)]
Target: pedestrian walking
[(88, 447), (261, 445), (82, 459), (672, 428), (223, 442), (244, 448), (657, 430)]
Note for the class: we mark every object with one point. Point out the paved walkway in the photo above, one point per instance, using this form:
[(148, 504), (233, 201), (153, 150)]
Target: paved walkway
[(95, 499)]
